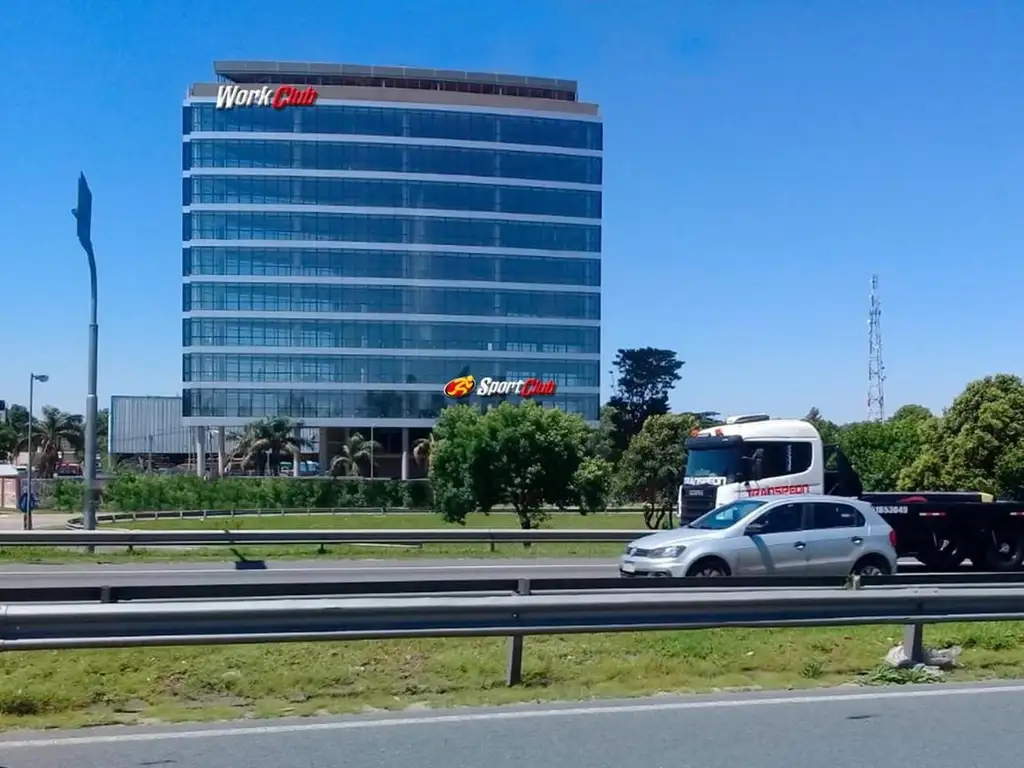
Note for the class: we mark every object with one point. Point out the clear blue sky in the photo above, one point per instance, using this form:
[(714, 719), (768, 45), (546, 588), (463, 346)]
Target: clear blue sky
[(761, 160)]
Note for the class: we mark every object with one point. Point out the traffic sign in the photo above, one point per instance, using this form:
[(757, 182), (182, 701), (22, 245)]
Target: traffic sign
[(23, 503)]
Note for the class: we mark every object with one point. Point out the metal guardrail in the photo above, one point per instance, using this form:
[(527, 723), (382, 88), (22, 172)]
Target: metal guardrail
[(241, 587), (63, 626), (204, 514), (171, 538)]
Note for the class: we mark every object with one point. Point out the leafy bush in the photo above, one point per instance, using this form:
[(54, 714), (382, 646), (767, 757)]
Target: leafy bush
[(128, 492)]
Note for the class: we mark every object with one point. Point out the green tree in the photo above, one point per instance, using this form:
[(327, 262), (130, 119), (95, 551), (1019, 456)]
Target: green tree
[(265, 443), (52, 435), (869, 445), (646, 376), (602, 437), (912, 412), (457, 435), (978, 443), (17, 417), (356, 452), (828, 430), (704, 419), (525, 456), (651, 468), (8, 442)]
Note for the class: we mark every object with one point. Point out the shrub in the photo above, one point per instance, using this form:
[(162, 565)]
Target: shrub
[(148, 492)]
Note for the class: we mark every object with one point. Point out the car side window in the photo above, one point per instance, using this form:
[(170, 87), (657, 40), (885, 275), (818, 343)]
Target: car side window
[(785, 519), (827, 515)]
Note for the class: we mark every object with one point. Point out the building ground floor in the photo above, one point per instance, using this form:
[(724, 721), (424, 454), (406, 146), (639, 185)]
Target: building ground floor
[(376, 452)]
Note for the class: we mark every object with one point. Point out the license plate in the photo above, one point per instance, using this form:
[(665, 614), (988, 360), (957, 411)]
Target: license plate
[(629, 568)]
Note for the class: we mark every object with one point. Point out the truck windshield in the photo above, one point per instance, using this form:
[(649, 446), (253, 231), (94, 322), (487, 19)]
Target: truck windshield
[(713, 462), (726, 516)]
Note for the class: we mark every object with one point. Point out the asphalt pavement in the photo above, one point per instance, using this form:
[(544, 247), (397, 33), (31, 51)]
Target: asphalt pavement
[(320, 570), (419, 569), (937, 726)]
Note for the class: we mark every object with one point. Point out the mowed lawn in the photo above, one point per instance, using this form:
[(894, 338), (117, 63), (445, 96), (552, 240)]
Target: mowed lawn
[(67, 688), (629, 521)]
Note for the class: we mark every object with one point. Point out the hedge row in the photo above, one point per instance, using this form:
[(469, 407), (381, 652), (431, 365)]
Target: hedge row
[(146, 492)]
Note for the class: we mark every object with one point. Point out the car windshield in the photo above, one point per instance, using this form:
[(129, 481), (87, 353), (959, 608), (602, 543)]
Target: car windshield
[(713, 462), (727, 516)]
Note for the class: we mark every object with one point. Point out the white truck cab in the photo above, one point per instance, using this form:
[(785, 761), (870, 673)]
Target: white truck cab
[(750, 456)]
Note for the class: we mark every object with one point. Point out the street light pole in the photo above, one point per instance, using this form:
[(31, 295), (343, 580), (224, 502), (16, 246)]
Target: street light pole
[(32, 379), (90, 407), (83, 213)]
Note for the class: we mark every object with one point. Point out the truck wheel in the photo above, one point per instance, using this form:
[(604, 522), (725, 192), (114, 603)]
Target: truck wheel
[(1004, 550)]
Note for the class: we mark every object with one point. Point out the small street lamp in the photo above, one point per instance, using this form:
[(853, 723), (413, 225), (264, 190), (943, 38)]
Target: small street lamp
[(42, 378)]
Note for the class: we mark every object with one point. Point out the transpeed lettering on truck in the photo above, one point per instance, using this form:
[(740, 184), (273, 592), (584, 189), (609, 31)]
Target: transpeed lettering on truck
[(709, 480), (231, 96), (781, 490), (900, 510)]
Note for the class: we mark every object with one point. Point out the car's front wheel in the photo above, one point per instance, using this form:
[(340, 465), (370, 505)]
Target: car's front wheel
[(708, 568)]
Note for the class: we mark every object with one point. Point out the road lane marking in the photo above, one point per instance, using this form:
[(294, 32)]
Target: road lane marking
[(474, 717)]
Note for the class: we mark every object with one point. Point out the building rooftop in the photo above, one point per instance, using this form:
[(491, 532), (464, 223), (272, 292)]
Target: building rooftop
[(312, 73)]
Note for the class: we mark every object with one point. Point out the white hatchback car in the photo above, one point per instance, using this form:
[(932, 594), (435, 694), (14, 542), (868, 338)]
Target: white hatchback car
[(784, 536)]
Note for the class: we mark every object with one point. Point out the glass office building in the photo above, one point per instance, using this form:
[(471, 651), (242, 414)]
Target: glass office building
[(355, 237)]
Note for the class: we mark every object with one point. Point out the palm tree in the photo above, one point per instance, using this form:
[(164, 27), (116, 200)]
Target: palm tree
[(265, 442), (52, 435), (355, 451), (423, 450)]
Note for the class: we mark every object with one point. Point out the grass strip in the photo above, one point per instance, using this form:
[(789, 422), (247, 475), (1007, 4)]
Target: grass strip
[(77, 688)]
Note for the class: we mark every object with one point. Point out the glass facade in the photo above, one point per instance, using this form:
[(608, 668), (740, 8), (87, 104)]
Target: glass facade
[(345, 261)]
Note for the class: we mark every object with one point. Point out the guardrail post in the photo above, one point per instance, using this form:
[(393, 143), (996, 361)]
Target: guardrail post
[(913, 643), (514, 671)]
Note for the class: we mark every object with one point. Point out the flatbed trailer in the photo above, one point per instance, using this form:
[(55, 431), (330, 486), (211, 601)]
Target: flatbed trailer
[(943, 530)]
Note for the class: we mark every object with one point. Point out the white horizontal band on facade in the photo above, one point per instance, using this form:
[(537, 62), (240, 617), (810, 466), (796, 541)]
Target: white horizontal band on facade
[(411, 213), (392, 317), (416, 354), (299, 173), (338, 387), (355, 138), (404, 106), (481, 250), (398, 282)]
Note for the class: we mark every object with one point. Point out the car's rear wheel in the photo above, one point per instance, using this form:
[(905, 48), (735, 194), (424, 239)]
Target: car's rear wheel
[(872, 566), (708, 568)]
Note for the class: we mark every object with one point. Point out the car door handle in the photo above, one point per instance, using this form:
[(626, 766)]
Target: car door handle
[(800, 545), (857, 540)]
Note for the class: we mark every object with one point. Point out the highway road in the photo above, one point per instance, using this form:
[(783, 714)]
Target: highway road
[(938, 726), (320, 570), (121, 574)]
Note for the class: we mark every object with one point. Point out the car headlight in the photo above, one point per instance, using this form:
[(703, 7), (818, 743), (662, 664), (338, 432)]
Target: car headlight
[(668, 552)]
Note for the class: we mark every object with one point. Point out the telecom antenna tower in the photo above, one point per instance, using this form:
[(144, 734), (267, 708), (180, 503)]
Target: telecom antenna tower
[(876, 368)]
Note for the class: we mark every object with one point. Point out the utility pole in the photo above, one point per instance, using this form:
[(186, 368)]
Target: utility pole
[(149, 441), (876, 368), (83, 214)]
